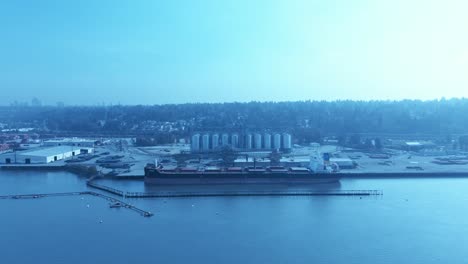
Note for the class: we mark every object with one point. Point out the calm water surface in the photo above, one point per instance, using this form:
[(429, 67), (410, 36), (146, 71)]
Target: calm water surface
[(415, 221)]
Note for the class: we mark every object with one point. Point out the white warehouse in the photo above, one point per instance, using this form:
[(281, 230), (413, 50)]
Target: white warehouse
[(45, 155), (70, 142)]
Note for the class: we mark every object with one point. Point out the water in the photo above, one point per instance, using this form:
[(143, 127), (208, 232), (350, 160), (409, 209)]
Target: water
[(415, 221)]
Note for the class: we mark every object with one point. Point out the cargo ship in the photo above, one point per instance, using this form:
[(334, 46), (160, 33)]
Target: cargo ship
[(314, 174)]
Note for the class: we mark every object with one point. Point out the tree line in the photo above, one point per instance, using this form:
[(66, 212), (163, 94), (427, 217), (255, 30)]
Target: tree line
[(308, 121)]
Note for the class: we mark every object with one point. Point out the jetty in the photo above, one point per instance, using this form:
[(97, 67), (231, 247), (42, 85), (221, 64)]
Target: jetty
[(253, 193), (221, 193), (107, 198), (104, 188)]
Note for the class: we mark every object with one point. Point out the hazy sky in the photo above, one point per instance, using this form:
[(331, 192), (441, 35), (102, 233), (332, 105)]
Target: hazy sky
[(154, 52)]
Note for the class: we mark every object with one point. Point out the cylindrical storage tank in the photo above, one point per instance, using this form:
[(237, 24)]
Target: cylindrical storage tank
[(235, 140), (248, 141), (195, 143), (277, 141), (267, 141), (206, 142), (257, 141), (225, 139), (214, 141), (287, 141)]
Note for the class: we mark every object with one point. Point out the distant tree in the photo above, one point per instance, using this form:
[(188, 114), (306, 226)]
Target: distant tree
[(36, 102), (307, 121), (228, 155)]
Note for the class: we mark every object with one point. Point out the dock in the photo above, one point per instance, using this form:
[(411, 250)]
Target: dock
[(104, 188), (253, 193), (121, 193), (107, 198)]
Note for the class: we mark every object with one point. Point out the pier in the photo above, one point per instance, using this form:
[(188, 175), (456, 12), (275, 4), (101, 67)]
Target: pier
[(253, 193), (104, 188), (107, 198), (121, 193)]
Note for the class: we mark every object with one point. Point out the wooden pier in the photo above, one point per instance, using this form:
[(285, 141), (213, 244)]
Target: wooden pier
[(108, 198)]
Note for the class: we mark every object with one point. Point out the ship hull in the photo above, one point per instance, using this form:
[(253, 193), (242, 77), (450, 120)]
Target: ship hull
[(155, 177)]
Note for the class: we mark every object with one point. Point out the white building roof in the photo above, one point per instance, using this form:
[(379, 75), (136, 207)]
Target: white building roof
[(413, 143), (52, 151), (341, 159), (70, 140), (295, 159)]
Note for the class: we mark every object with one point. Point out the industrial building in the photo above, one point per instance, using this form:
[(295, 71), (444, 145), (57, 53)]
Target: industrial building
[(45, 155), (344, 163), (70, 142)]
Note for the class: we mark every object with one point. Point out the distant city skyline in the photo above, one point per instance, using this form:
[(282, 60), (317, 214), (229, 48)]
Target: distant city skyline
[(164, 52)]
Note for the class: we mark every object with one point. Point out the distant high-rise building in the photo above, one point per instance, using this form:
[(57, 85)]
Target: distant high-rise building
[(267, 141), (195, 143), (214, 141)]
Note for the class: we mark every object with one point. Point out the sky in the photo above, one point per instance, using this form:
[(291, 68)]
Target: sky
[(92, 52)]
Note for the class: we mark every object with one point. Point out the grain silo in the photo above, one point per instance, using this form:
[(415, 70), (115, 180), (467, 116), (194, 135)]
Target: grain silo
[(214, 141), (257, 141), (287, 141), (195, 143), (267, 141)]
